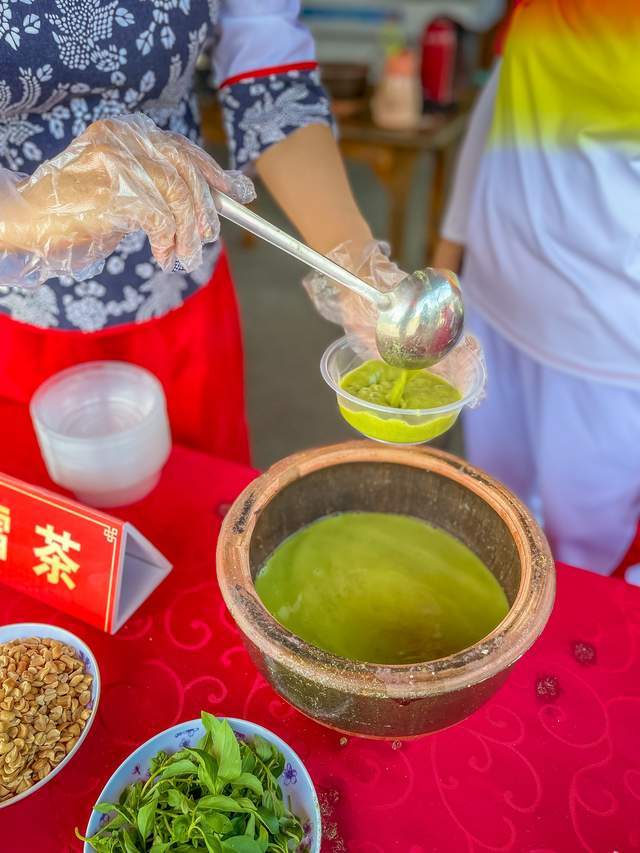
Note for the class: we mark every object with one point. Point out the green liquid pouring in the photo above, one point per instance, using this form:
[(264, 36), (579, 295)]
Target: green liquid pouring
[(379, 383), (381, 588)]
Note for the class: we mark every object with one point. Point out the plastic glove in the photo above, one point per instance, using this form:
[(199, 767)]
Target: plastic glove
[(340, 305), (121, 175)]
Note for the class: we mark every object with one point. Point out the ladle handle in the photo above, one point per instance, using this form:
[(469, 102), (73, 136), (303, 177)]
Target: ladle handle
[(245, 218)]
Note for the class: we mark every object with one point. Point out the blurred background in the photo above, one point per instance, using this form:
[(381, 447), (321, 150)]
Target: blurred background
[(403, 76)]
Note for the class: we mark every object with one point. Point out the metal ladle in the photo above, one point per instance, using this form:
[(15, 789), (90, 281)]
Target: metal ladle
[(419, 321)]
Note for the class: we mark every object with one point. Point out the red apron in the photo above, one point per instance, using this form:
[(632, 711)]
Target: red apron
[(195, 351)]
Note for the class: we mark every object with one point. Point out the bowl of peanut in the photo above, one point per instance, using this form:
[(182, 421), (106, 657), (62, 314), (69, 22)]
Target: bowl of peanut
[(49, 691)]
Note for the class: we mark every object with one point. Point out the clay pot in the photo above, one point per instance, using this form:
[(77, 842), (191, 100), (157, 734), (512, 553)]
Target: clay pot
[(371, 699)]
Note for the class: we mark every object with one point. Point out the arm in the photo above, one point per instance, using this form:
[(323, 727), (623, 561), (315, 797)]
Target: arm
[(306, 176), (278, 119), (447, 255)]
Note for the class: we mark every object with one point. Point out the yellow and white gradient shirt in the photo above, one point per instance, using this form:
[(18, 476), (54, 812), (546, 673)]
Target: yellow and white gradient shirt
[(546, 197)]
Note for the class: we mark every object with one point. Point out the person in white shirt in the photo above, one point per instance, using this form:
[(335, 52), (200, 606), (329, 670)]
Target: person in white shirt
[(544, 223)]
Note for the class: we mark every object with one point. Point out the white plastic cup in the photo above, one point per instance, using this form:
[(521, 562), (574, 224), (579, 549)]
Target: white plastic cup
[(463, 367), (103, 431)]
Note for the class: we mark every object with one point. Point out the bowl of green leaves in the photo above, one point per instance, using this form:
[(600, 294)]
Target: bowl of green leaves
[(216, 785)]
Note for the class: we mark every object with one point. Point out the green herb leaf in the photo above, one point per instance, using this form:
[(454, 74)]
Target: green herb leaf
[(220, 803), (262, 748), (272, 802), (104, 808), (178, 768), (214, 822), (146, 817), (207, 770), (104, 845), (250, 828), (180, 828), (269, 820), (263, 836), (130, 797), (160, 847), (277, 764), (177, 800), (248, 780), (212, 843), (291, 827), (248, 759), (227, 750), (240, 844), (210, 723), (157, 762), (124, 813), (130, 842)]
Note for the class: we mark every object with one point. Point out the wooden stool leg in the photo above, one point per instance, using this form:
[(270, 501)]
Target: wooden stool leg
[(395, 173), (435, 202)]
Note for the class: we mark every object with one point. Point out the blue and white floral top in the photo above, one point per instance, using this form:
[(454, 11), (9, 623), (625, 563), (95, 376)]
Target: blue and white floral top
[(66, 63)]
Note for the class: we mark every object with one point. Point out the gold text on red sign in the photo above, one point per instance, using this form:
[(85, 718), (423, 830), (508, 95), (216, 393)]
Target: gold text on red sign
[(55, 562)]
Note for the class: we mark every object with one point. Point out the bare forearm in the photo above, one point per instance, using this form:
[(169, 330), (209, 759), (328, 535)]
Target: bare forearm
[(306, 176), (448, 255)]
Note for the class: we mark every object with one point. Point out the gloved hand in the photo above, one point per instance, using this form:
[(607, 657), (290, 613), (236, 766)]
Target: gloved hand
[(340, 305), (121, 175)]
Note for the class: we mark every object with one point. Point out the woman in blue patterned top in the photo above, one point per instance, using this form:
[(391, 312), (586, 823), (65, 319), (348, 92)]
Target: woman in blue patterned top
[(70, 71)]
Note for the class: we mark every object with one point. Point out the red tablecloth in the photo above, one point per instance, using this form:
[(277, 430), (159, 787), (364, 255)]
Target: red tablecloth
[(551, 764)]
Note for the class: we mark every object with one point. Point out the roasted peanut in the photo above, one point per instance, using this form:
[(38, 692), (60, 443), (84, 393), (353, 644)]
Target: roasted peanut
[(45, 696)]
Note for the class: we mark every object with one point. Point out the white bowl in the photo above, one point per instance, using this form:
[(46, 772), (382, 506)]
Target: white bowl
[(24, 630), (103, 431), (295, 782)]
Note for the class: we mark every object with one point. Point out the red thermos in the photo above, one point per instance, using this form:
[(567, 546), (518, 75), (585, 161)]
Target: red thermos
[(439, 47)]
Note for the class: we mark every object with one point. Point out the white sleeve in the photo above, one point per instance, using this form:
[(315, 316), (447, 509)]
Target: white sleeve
[(254, 35), (268, 82), (455, 221)]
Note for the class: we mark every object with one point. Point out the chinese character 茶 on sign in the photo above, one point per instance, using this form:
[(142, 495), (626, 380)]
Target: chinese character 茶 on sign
[(55, 563)]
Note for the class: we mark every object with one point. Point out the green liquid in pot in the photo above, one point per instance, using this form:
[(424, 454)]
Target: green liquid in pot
[(381, 588)]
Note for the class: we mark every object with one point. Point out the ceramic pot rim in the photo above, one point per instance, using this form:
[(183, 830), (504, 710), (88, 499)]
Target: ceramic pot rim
[(511, 638)]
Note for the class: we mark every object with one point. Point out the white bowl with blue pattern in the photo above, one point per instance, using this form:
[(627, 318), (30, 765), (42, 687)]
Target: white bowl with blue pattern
[(25, 630), (297, 787)]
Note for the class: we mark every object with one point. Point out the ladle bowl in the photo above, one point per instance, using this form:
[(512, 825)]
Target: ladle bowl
[(423, 320), (375, 700)]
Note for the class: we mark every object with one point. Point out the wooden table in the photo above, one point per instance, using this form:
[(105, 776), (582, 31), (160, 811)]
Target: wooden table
[(392, 155)]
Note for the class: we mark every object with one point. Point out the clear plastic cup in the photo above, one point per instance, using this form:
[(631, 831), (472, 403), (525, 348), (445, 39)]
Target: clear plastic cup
[(463, 368), (103, 431)]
